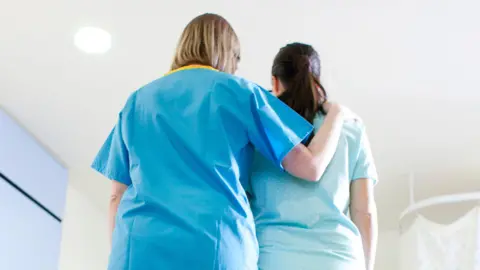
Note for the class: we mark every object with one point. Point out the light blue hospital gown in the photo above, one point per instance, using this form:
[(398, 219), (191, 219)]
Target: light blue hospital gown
[(184, 145), (303, 225)]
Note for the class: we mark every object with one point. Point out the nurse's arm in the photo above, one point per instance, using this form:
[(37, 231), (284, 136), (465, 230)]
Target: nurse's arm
[(116, 195), (363, 212), (310, 162)]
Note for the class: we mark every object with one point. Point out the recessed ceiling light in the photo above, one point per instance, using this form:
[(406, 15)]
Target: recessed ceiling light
[(93, 40)]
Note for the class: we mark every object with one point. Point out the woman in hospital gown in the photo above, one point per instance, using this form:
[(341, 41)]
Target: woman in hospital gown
[(181, 152), (302, 225)]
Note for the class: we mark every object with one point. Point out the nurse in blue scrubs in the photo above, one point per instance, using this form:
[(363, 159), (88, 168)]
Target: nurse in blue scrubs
[(303, 225), (181, 153)]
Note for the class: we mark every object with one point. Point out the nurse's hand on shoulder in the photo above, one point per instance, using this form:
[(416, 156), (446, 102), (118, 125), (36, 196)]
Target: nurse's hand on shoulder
[(344, 112), (310, 162)]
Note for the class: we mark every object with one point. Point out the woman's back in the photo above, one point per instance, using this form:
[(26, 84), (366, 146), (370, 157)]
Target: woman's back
[(190, 129), (303, 225), (183, 147), (186, 150)]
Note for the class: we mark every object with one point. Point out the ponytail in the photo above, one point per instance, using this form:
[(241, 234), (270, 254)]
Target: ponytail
[(300, 91), (297, 66)]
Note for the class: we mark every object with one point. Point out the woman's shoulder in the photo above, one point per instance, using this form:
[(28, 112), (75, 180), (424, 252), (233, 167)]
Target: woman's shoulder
[(241, 89), (239, 83), (353, 126)]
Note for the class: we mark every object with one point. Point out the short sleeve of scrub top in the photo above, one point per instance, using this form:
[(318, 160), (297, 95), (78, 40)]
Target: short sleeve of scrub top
[(112, 160), (273, 127), (365, 165)]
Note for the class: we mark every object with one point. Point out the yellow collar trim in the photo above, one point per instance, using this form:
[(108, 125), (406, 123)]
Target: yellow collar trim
[(190, 67)]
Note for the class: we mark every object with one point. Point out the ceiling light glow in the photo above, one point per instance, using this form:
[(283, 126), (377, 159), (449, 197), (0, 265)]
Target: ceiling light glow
[(93, 40)]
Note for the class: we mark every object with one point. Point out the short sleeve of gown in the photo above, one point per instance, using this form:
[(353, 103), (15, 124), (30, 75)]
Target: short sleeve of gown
[(273, 127), (365, 165), (113, 160)]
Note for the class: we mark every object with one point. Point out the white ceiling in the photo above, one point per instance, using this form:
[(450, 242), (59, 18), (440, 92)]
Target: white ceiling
[(409, 68)]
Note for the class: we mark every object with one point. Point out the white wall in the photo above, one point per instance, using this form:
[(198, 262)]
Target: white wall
[(29, 238), (32, 198), (388, 248), (85, 226)]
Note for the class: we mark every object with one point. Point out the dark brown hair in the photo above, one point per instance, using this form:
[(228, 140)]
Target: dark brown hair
[(297, 67)]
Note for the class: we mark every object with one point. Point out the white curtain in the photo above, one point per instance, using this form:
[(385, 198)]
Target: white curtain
[(427, 245)]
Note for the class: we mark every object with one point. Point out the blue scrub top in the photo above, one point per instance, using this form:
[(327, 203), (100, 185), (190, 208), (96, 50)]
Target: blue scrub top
[(184, 146), (303, 225)]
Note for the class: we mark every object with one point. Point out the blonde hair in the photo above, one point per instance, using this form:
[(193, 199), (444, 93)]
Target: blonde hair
[(208, 40)]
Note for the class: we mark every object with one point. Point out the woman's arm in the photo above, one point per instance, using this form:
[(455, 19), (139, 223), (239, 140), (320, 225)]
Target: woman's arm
[(311, 162), (117, 192), (277, 131), (363, 212)]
